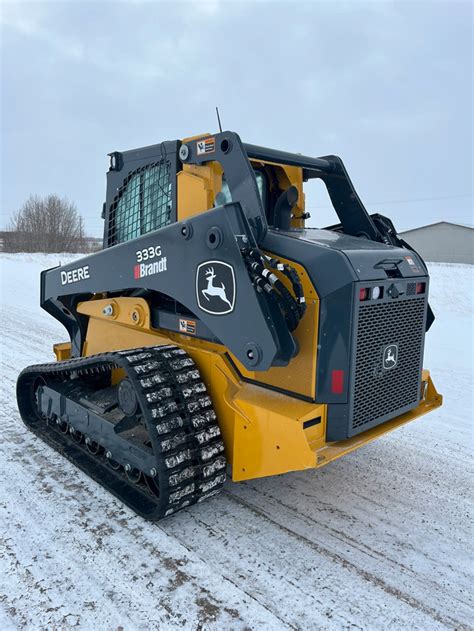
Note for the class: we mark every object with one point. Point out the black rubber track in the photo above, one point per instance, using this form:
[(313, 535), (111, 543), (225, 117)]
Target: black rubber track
[(174, 409)]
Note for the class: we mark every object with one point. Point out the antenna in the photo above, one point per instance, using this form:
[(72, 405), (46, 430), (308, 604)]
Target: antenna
[(218, 119)]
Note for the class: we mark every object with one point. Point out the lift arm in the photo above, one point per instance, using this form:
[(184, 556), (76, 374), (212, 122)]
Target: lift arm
[(178, 261)]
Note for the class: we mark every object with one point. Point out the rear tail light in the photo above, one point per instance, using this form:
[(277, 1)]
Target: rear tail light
[(420, 288), (337, 382), (363, 293)]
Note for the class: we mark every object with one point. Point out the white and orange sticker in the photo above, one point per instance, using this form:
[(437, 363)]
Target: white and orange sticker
[(413, 267), (187, 326), (206, 145)]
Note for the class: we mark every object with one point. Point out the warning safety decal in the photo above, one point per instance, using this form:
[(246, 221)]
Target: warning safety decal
[(413, 267), (187, 326), (207, 145)]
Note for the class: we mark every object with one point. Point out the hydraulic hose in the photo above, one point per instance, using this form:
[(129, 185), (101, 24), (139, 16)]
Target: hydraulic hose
[(269, 282)]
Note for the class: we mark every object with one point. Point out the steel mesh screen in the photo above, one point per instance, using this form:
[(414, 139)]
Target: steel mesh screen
[(143, 203), (378, 392)]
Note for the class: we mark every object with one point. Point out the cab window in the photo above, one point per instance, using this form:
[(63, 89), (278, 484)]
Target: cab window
[(224, 195), (142, 204)]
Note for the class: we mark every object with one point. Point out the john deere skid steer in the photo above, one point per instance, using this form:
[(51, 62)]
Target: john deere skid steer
[(215, 328)]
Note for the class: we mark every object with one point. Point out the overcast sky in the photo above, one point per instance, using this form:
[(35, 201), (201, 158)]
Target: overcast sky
[(387, 86)]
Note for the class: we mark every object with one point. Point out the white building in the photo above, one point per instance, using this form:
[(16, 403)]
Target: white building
[(444, 241)]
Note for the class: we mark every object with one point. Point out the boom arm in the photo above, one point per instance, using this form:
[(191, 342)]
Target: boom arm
[(171, 261), (227, 149)]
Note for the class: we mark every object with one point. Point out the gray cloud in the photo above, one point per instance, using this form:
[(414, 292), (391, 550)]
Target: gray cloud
[(388, 86)]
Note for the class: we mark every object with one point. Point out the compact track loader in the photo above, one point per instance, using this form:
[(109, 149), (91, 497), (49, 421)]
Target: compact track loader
[(215, 328)]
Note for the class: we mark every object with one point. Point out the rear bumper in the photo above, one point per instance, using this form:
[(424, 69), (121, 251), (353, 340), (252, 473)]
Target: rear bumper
[(274, 434), (430, 401)]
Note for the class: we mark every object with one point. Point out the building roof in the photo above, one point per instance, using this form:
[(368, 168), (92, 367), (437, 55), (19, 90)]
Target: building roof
[(438, 223)]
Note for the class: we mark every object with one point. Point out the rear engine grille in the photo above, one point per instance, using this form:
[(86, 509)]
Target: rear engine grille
[(380, 393)]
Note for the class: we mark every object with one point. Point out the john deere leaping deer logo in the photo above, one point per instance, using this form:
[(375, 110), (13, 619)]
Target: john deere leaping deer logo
[(215, 287), (212, 290), (390, 356)]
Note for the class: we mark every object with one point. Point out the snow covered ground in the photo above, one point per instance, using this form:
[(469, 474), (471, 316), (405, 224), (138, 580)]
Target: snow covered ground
[(377, 540)]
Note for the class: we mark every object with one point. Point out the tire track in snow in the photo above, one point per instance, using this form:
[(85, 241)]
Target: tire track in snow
[(282, 568), (346, 563), (89, 540)]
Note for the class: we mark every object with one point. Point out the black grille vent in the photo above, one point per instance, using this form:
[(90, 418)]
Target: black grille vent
[(380, 393)]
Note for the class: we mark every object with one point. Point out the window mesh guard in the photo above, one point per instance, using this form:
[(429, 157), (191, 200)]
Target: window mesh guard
[(143, 203)]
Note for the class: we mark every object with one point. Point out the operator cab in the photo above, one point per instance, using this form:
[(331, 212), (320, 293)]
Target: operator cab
[(224, 196), (278, 195)]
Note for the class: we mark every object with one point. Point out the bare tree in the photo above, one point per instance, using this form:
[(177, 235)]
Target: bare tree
[(48, 224)]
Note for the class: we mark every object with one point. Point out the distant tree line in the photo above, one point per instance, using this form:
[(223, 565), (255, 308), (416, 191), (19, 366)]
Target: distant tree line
[(46, 224)]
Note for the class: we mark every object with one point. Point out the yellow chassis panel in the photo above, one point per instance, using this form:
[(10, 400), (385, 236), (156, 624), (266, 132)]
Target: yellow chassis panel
[(263, 430)]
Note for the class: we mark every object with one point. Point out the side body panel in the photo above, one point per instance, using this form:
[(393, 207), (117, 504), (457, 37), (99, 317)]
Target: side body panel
[(299, 377), (265, 432)]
